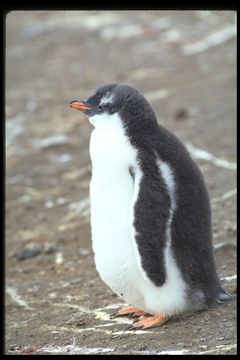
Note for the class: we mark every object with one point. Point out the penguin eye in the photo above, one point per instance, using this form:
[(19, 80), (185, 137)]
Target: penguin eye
[(100, 107)]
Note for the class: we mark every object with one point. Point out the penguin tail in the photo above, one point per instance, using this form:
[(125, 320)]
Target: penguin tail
[(225, 296)]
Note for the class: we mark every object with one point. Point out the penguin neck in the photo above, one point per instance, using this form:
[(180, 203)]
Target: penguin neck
[(141, 132), (106, 122), (140, 124)]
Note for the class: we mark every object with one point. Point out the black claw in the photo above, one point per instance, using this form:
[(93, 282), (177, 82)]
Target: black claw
[(113, 315), (135, 328), (129, 328), (132, 315)]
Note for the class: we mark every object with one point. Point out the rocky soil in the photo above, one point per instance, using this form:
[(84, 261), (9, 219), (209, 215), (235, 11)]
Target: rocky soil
[(185, 64)]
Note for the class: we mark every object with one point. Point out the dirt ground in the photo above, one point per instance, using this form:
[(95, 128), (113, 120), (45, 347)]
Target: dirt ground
[(185, 64)]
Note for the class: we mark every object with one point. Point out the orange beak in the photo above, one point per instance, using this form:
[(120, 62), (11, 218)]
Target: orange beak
[(79, 105)]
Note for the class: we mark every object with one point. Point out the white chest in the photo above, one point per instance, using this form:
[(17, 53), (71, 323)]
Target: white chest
[(111, 195)]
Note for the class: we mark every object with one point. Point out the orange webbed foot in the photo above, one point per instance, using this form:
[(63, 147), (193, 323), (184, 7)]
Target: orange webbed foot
[(147, 322), (130, 311)]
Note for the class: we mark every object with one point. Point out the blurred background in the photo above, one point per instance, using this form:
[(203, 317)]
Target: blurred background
[(184, 62)]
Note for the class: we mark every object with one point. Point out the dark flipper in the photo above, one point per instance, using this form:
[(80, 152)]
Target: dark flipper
[(151, 214)]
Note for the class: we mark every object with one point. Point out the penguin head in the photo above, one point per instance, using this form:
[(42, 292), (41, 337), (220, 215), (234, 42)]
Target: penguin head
[(113, 101)]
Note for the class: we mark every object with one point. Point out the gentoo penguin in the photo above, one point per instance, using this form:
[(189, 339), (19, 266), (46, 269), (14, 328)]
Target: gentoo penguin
[(150, 211)]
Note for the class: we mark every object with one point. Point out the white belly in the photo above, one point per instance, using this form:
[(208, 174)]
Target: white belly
[(112, 196)]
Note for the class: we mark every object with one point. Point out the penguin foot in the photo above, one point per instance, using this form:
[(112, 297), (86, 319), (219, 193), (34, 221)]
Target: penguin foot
[(147, 322), (130, 311)]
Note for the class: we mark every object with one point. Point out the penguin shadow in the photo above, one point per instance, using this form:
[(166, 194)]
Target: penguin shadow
[(202, 315)]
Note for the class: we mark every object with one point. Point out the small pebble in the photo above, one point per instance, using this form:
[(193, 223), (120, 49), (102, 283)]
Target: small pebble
[(81, 322), (64, 158), (83, 252), (181, 114), (50, 248), (29, 252), (142, 348), (49, 204), (61, 201), (75, 281), (14, 347), (53, 295), (59, 258)]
